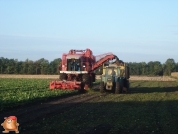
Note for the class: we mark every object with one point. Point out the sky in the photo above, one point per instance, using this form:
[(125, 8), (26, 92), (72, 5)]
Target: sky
[(134, 30)]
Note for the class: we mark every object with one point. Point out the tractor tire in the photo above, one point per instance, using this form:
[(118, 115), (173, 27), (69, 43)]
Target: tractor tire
[(117, 89), (127, 86), (63, 76), (102, 87), (127, 75)]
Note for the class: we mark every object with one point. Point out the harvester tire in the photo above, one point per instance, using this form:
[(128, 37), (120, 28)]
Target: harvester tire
[(81, 90), (86, 78), (102, 87), (91, 82), (117, 89), (63, 76)]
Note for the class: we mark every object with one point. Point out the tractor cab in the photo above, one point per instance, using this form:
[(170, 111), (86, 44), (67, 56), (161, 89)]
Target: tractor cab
[(114, 78), (110, 76)]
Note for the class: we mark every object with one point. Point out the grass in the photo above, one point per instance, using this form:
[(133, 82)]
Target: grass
[(17, 92), (149, 107)]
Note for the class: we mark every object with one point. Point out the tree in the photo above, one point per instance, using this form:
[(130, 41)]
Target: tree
[(37, 67), (25, 67), (44, 65), (10, 66), (54, 66), (170, 66), (16, 68), (31, 69), (144, 68), (2, 61), (157, 68)]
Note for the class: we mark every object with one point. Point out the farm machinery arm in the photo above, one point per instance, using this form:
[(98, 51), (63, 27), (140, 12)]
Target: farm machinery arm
[(105, 58), (81, 78)]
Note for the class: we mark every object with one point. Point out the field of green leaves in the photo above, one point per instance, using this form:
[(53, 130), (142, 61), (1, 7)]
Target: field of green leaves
[(17, 92), (149, 107)]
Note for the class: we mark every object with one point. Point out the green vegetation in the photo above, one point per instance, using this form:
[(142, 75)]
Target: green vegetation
[(149, 107), (43, 66), (16, 92), (153, 68)]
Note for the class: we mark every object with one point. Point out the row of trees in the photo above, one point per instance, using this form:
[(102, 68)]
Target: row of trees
[(153, 68), (43, 66)]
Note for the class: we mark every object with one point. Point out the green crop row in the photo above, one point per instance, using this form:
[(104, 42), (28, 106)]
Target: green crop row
[(15, 92), (149, 107)]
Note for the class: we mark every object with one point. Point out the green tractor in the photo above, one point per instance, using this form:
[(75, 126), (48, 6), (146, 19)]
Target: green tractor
[(115, 78)]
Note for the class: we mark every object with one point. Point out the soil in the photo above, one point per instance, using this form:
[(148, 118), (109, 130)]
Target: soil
[(29, 113), (149, 78)]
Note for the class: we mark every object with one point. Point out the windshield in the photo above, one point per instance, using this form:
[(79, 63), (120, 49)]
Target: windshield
[(73, 64), (112, 71)]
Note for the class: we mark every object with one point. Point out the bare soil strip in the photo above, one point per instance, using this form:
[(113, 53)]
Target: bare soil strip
[(29, 76), (29, 114), (156, 78), (147, 78)]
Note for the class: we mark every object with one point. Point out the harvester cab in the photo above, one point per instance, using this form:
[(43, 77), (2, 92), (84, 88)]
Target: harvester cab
[(115, 77), (73, 64)]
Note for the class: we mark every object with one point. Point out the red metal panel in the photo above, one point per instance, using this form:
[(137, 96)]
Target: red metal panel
[(70, 85)]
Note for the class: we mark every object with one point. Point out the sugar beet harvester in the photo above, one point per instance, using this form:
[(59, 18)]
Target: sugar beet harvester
[(77, 69)]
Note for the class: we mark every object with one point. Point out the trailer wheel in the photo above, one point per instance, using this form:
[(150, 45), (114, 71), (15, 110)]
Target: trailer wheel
[(117, 89), (63, 76), (102, 87)]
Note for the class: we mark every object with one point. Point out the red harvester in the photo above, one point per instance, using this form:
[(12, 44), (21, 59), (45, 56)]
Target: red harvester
[(77, 69)]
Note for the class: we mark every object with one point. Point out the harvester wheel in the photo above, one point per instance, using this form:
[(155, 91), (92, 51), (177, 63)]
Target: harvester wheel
[(102, 87), (63, 76), (86, 78), (117, 89), (91, 82), (81, 90)]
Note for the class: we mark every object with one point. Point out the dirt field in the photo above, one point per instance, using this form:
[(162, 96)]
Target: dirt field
[(159, 78), (29, 76), (156, 78)]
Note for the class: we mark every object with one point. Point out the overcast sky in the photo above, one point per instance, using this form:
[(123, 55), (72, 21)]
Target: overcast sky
[(134, 30)]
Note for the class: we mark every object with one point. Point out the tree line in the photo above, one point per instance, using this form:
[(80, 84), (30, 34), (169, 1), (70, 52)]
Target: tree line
[(153, 68), (43, 66)]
